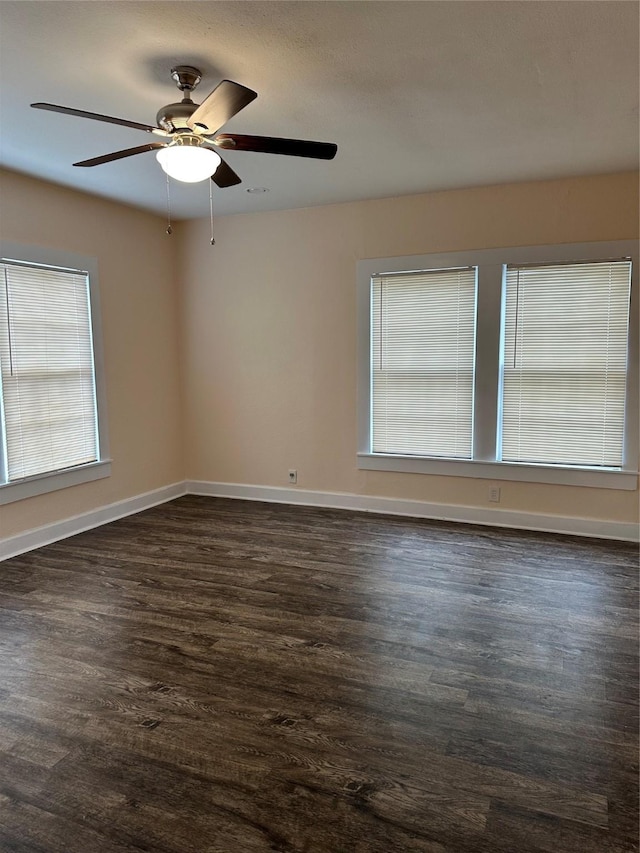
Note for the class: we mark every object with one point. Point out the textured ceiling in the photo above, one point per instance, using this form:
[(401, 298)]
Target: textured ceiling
[(418, 96)]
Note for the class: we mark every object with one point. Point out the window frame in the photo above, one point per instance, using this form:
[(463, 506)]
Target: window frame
[(54, 480), (491, 264)]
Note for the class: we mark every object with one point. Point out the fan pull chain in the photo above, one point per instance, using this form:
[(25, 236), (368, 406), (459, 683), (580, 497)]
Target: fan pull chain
[(169, 228), (213, 240)]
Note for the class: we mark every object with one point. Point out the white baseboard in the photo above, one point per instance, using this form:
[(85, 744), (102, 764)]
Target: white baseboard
[(39, 536), (421, 509)]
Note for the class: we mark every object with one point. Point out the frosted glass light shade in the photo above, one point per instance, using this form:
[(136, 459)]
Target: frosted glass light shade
[(188, 163)]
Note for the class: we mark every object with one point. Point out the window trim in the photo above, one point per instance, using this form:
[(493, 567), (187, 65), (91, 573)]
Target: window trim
[(54, 480), (490, 264)]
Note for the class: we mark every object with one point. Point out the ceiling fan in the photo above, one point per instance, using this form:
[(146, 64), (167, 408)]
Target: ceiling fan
[(189, 150)]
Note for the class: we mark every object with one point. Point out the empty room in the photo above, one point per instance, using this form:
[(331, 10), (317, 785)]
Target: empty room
[(319, 426)]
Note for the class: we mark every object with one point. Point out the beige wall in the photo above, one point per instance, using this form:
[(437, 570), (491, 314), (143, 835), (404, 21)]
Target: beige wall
[(270, 332), (139, 304), (255, 338)]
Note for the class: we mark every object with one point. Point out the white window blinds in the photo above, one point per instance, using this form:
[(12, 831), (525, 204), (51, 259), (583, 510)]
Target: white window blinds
[(422, 359), (46, 354), (565, 363)]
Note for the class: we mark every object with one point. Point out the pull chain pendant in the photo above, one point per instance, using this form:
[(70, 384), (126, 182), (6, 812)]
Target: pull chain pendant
[(213, 241), (169, 228)]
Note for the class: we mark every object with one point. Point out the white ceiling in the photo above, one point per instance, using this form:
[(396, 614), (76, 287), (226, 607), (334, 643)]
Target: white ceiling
[(419, 96)]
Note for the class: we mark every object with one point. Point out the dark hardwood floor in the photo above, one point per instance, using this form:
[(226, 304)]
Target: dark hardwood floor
[(216, 676)]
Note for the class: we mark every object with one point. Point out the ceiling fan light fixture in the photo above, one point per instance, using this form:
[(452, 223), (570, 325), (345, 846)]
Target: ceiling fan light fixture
[(188, 161)]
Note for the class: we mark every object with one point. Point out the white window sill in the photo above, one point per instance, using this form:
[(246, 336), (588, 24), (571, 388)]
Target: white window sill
[(51, 482), (554, 474)]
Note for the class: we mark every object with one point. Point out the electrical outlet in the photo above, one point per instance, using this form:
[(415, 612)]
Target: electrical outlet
[(494, 495), (293, 476)]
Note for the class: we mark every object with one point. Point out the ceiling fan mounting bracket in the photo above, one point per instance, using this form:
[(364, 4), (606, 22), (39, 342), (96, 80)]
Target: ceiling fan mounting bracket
[(186, 77)]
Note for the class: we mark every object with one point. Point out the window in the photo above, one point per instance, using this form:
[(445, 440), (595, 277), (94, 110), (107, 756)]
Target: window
[(423, 337), (564, 367), (52, 411), (509, 363)]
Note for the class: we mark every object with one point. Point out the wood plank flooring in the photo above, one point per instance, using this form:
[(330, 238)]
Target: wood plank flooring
[(215, 676)]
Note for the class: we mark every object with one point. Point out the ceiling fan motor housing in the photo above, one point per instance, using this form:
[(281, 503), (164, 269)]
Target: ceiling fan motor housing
[(175, 116)]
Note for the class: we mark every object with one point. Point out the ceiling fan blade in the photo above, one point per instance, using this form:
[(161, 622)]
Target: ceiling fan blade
[(224, 176), (273, 145), (227, 99), (54, 108), (118, 155)]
